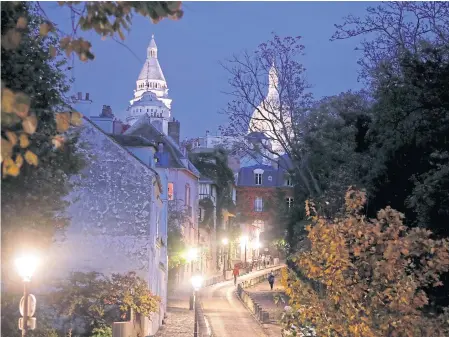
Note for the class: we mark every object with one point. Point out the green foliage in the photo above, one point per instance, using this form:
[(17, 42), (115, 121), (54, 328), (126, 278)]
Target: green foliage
[(97, 301), (208, 206), (409, 135), (32, 203), (102, 332), (177, 217), (214, 165)]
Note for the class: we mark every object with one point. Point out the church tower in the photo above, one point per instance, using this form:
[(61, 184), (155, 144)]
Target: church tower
[(266, 120), (151, 93)]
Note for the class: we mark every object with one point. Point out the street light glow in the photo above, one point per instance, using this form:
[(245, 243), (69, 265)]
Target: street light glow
[(225, 241), (197, 282), (257, 245), (192, 254), (243, 240), (26, 265)]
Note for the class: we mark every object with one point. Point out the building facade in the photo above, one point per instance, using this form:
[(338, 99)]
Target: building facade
[(259, 188), (116, 211)]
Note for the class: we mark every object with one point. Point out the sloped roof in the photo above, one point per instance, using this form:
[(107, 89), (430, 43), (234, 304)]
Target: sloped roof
[(134, 141), (151, 70), (176, 159), (149, 98)]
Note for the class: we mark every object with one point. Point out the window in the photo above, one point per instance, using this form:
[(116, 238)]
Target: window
[(187, 196), (270, 178), (289, 202), (258, 178), (258, 204), (170, 192), (289, 181)]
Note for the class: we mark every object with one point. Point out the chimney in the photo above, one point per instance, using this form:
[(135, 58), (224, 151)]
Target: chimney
[(106, 111), (87, 96), (207, 133), (80, 96), (174, 130)]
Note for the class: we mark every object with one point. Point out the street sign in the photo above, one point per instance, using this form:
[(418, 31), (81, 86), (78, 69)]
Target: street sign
[(31, 305), (31, 323)]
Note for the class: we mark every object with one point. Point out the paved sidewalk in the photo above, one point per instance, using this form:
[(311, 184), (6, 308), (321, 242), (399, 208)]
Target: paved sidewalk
[(180, 319), (263, 295)]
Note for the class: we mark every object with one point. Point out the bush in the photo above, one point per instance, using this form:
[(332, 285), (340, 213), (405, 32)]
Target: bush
[(373, 273)]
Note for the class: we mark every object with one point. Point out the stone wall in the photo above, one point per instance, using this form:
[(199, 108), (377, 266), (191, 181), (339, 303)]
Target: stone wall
[(254, 307)]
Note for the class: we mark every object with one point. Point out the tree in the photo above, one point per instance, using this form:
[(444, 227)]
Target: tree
[(32, 203), (214, 165), (20, 115), (91, 302), (278, 115), (373, 271), (395, 28), (177, 217)]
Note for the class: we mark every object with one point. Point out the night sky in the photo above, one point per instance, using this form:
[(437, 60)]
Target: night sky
[(190, 51)]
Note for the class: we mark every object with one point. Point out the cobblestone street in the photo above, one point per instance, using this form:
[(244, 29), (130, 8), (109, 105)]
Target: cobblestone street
[(180, 320)]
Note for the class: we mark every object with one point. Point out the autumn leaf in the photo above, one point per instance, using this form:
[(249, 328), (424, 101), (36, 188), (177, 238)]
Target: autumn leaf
[(62, 121), (45, 28), (76, 118), (30, 124), (58, 141), (8, 99), (24, 142), (31, 158), (10, 168), (19, 160), (22, 23), (6, 149), (12, 137)]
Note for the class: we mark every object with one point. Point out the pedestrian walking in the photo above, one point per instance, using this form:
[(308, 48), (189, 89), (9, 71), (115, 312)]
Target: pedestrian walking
[(271, 280), (236, 273)]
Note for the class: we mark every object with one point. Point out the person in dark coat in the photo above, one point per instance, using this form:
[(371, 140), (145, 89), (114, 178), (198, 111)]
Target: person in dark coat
[(271, 280)]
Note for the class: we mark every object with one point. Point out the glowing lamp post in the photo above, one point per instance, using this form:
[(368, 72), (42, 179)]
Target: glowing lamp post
[(197, 283), (225, 242), (26, 265), (243, 243)]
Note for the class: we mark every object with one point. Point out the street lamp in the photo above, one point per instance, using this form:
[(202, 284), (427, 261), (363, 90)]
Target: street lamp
[(197, 283), (225, 242), (244, 242), (26, 265)]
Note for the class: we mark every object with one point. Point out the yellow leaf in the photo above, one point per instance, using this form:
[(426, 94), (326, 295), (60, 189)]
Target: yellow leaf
[(12, 137), (10, 168), (6, 149), (21, 23), (19, 160), (31, 158), (44, 29), (62, 121), (8, 99), (24, 141), (30, 124), (76, 118), (52, 51)]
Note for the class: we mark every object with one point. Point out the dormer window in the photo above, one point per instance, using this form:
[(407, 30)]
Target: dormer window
[(289, 181)]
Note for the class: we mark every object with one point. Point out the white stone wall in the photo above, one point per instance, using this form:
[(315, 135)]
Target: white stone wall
[(113, 217)]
